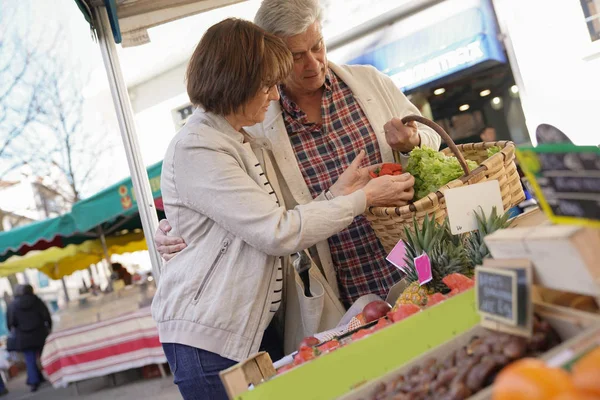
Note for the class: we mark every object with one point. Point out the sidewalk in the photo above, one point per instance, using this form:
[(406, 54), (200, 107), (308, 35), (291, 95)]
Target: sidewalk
[(98, 389)]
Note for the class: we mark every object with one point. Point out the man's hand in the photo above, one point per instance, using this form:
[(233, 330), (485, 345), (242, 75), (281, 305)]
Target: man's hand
[(167, 246), (353, 178), (401, 137)]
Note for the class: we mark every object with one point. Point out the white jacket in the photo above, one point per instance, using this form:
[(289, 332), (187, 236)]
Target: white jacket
[(214, 294), (380, 100)]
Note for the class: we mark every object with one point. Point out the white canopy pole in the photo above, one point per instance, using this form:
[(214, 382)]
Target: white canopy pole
[(139, 175)]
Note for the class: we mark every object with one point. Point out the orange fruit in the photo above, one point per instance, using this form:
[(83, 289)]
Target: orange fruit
[(575, 395), (586, 373), (530, 379)]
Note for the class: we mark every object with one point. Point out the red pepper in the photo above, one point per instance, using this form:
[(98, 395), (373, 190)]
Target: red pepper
[(387, 169)]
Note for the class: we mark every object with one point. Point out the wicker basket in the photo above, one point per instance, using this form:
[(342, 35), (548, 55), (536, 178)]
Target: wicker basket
[(389, 222)]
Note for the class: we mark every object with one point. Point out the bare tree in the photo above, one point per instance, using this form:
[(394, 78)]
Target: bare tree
[(19, 84), (42, 110), (75, 148)]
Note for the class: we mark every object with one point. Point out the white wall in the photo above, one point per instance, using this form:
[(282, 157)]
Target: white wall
[(559, 83)]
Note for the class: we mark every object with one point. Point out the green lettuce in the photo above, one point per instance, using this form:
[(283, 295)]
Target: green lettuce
[(433, 169), (493, 150)]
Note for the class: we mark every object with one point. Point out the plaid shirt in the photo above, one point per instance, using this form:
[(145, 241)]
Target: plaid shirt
[(323, 152)]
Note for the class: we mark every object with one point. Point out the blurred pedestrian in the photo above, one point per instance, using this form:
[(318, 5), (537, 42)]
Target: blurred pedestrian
[(29, 323)]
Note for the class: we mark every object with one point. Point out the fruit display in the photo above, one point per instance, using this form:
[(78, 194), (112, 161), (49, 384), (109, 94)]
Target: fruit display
[(469, 369), (433, 170), (375, 310), (387, 169), (452, 257), (531, 379)]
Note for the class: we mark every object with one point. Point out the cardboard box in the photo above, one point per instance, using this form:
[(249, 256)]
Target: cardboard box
[(565, 258), (572, 326)]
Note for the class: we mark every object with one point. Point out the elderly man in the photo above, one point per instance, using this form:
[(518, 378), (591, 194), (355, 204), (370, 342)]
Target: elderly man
[(327, 113)]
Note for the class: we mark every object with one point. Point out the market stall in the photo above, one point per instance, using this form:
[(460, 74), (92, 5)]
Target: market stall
[(491, 335), (102, 348)]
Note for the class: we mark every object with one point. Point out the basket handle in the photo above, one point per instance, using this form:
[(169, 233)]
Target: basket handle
[(440, 131)]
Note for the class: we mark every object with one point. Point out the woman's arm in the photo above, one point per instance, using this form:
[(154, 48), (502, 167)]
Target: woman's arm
[(213, 183)]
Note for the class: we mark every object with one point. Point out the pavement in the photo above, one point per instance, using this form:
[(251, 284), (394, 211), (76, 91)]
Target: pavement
[(125, 386)]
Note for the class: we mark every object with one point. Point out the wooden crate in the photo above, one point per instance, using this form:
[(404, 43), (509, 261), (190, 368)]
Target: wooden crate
[(571, 325), (252, 371)]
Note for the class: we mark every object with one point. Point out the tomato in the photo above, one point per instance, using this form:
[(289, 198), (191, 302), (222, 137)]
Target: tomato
[(329, 346), (309, 341), (304, 354)]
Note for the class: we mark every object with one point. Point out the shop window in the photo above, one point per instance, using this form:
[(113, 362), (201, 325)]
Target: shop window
[(591, 10)]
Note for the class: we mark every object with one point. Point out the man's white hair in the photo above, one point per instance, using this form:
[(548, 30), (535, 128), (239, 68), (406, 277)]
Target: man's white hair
[(287, 18)]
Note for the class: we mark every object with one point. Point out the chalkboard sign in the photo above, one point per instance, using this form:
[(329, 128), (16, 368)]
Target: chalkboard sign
[(503, 295), (497, 294), (566, 181)]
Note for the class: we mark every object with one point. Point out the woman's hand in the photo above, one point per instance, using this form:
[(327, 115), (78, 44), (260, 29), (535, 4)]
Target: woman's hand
[(354, 177), (167, 246), (390, 190)]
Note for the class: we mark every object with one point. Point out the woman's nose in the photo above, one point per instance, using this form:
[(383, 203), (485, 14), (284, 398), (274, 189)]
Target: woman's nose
[(274, 93)]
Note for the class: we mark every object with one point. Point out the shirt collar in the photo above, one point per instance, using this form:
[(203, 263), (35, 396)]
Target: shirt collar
[(290, 107)]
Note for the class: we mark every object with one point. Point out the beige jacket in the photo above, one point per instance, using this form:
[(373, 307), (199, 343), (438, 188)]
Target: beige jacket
[(214, 294), (380, 100)]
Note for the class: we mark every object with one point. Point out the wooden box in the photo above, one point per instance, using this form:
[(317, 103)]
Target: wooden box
[(571, 326)]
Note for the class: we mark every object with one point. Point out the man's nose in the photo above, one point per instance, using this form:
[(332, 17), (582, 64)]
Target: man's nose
[(311, 62)]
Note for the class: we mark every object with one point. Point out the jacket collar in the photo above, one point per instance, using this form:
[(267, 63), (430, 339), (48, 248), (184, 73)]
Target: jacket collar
[(217, 122)]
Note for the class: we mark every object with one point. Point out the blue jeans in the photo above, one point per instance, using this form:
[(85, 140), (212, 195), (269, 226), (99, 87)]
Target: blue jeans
[(196, 371), (34, 375)]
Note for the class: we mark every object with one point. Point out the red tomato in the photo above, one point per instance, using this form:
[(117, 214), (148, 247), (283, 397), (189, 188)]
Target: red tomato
[(309, 341), (329, 346)]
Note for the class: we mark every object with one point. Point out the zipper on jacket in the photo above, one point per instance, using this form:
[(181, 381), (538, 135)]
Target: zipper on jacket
[(212, 269)]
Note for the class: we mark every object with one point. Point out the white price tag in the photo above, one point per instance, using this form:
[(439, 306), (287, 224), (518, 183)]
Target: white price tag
[(464, 201)]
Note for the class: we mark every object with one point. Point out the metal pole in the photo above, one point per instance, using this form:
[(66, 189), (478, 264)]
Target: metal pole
[(106, 257), (64, 285), (124, 111)]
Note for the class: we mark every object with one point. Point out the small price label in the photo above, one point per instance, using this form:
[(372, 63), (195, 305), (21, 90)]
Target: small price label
[(423, 267), (396, 256)]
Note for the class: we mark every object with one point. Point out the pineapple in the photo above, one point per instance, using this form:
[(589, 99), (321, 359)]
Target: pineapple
[(446, 253), (474, 244), (413, 294)]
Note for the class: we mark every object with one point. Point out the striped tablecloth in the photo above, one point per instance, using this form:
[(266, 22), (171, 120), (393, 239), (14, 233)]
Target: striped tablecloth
[(106, 347)]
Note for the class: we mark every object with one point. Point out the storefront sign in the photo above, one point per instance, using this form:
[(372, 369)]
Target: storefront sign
[(455, 35), (566, 181), (439, 66)]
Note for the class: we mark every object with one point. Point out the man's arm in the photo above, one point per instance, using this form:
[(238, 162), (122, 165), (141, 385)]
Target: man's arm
[(404, 138)]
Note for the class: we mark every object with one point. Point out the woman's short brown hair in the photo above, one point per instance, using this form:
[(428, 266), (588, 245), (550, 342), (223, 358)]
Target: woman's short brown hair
[(233, 61)]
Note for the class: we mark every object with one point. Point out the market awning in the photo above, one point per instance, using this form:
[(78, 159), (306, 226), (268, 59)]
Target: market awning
[(117, 202), (113, 210), (58, 262), (39, 235), (130, 20)]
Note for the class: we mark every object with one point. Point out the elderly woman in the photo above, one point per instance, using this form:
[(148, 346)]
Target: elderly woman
[(216, 297)]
